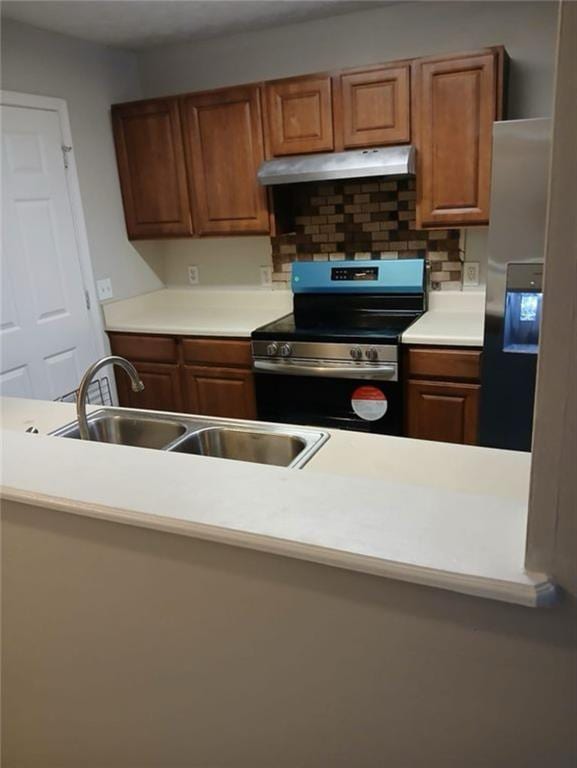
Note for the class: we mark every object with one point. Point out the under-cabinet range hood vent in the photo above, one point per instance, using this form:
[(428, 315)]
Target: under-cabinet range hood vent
[(354, 164)]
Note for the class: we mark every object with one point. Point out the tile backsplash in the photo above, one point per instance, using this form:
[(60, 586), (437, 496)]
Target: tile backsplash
[(364, 219)]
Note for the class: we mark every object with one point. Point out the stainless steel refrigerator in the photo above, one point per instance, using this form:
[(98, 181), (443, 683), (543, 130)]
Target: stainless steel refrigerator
[(516, 249)]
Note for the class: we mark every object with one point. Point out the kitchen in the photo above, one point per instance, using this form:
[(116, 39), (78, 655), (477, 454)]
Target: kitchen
[(372, 233)]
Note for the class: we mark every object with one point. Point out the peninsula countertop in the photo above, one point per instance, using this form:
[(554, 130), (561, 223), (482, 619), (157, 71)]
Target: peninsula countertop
[(232, 312), (383, 511)]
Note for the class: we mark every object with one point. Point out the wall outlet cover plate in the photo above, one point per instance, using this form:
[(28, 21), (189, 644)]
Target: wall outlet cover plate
[(104, 289), (470, 273), (193, 277), (266, 275)]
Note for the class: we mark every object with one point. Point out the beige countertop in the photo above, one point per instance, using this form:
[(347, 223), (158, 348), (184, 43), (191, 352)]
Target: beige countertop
[(452, 517), (233, 312), (454, 318)]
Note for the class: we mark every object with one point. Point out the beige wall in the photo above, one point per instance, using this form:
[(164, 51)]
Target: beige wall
[(220, 260), (403, 29), (129, 648), (90, 77)]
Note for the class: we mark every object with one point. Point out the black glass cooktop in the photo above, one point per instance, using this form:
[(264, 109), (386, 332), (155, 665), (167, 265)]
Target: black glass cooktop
[(368, 328)]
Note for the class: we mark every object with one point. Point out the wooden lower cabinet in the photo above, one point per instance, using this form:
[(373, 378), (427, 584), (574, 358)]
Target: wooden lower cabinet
[(445, 411), (226, 392), (207, 376), (442, 393), (162, 387)]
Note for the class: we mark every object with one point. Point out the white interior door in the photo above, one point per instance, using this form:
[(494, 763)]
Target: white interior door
[(46, 333)]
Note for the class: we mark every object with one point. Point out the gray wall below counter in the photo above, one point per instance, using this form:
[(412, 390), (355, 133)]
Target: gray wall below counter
[(126, 647)]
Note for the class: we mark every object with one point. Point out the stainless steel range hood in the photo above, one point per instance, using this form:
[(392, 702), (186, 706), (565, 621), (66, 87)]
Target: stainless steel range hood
[(354, 164)]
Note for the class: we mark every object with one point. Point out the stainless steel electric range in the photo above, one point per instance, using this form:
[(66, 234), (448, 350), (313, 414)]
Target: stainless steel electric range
[(335, 361)]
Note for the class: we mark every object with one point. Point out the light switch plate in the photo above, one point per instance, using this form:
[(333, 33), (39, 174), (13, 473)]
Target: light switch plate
[(266, 276), (193, 278), (104, 289), (470, 274)]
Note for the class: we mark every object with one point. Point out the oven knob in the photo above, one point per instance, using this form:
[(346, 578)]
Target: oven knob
[(272, 350), (285, 350), (356, 353), (372, 354)]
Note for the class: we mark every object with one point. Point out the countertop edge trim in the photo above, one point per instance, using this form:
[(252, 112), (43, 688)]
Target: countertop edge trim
[(542, 592)]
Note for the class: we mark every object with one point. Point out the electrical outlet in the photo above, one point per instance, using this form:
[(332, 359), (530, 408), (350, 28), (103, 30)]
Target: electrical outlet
[(266, 276), (104, 289), (470, 274), (193, 275)]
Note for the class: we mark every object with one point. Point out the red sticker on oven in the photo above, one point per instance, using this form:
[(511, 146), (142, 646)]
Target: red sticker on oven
[(369, 403)]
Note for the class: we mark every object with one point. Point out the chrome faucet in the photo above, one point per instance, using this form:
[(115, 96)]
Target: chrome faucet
[(137, 386)]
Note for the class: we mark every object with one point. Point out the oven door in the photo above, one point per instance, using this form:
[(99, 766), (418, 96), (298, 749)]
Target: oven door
[(338, 403)]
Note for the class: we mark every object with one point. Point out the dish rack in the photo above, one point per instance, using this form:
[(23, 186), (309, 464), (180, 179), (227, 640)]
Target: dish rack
[(99, 393)]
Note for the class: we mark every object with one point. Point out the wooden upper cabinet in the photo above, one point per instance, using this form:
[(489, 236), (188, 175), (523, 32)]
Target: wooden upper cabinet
[(372, 107), (150, 158), (224, 147), (458, 98), (299, 115)]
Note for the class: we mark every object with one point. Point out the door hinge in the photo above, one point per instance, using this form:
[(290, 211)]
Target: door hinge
[(65, 150), (87, 299)]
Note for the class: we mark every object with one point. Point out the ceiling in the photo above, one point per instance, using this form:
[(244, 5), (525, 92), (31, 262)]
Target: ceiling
[(140, 24)]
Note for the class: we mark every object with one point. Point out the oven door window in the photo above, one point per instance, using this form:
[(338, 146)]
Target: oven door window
[(338, 403)]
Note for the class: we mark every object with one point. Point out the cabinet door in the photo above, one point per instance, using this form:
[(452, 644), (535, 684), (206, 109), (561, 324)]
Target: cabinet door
[(162, 388), (372, 107), (224, 147), (150, 157), (299, 113), (457, 104), (220, 392), (443, 411)]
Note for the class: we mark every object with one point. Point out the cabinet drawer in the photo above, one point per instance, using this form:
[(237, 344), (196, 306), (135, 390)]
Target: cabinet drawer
[(461, 364), (217, 352), (133, 346)]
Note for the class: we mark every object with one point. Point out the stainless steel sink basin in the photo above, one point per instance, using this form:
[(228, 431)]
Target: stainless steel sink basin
[(128, 430), (244, 445), (261, 442)]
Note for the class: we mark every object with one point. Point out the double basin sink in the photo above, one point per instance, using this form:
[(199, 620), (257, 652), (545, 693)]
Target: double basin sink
[(260, 442)]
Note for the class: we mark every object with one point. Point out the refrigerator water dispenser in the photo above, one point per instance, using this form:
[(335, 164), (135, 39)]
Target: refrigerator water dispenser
[(523, 297)]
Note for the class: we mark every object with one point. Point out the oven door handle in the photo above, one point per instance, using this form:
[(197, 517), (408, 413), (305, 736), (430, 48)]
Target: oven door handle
[(338, 371)]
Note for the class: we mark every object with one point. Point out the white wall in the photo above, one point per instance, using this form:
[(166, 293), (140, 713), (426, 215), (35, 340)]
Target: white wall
[(527, 29), (90, 77)]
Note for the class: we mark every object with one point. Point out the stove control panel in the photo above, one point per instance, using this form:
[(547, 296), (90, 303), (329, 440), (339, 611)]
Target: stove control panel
[(361, 354)]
